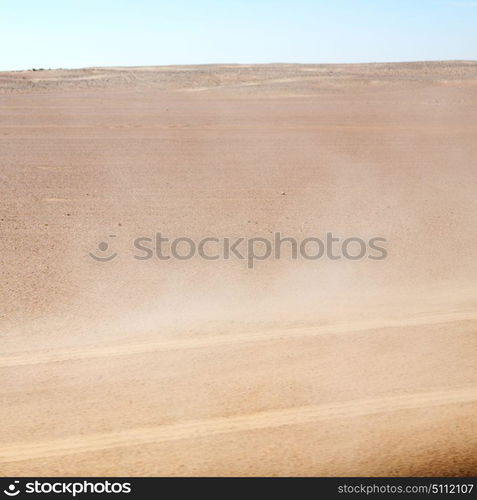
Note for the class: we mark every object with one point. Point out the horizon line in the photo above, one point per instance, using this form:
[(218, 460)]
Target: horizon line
[(417, 61)]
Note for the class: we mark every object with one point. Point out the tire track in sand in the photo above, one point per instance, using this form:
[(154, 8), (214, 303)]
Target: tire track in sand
[(238, 423), (94, 352)]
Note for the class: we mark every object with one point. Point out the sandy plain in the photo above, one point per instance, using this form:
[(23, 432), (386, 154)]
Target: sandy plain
[(294, 367)]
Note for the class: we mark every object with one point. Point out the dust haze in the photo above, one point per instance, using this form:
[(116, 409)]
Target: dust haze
[(195, 367)]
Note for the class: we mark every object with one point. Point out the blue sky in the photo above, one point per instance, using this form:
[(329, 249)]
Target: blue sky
[(80, 33)]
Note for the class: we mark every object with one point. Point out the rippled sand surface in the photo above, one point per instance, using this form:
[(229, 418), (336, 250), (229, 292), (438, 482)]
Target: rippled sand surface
[(200, 367)]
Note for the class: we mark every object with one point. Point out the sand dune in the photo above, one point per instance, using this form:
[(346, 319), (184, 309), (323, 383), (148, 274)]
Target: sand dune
[(196, 367)]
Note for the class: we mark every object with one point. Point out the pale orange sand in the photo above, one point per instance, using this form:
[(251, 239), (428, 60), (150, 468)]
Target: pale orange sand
[(201, 367)]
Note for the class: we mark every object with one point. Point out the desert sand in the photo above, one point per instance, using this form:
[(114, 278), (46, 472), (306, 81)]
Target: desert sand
[(196, 367)]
